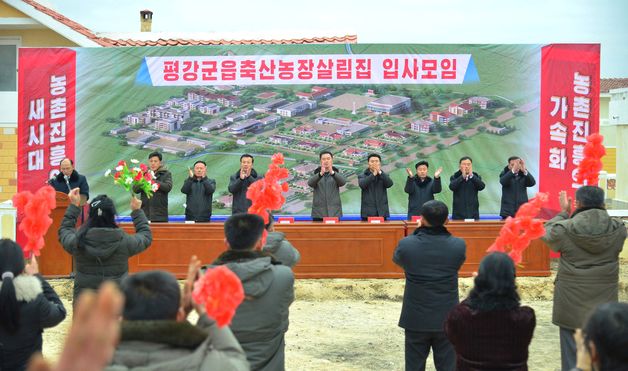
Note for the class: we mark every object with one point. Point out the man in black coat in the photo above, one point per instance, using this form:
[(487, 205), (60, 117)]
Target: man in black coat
[(68, 179), (515, 179), (199, 190), (239, 183), (156, 207), (465, 183), (430, 258), (421, 188), (374, 183)]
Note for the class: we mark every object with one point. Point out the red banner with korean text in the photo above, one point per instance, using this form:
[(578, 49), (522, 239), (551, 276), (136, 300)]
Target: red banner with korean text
[(46, 113), (570, 90)]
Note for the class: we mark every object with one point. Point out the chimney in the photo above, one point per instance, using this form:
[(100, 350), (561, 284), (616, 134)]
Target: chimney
[(146, 20)]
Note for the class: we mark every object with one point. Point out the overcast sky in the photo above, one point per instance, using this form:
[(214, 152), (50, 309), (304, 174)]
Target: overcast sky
[(388, 21)]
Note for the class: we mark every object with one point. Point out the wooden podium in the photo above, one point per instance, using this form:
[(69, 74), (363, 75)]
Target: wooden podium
[(54, 261)]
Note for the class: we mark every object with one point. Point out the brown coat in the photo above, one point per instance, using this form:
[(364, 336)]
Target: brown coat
[(588, 273)]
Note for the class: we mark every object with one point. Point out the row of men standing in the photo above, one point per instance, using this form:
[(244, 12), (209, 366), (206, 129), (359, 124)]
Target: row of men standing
[(325, 182)]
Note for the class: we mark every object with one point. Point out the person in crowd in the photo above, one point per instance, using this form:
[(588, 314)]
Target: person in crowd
[(68, 179), (420, 187), (156, 207), (465, 184), (374, 183), (326, 182), (603, 340), (199, 190), (261, 321), (280, 248), (101, 250), (515, 180), (239, 184), (28, 304), (430, 258), (155, 333), (490, 330), (589, 241)]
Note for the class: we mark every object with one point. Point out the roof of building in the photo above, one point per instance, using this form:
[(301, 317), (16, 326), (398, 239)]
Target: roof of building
[(83, 36), (615, 83), (391, 100)]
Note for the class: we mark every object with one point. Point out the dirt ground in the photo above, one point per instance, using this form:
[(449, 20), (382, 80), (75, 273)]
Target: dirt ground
[(341, 324)]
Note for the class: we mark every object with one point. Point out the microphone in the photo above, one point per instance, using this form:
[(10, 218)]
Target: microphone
[(67, 182)]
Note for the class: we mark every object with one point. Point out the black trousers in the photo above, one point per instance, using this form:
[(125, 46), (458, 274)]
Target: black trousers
[(418, 346)]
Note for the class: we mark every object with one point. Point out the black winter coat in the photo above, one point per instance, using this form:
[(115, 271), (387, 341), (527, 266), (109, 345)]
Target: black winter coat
[(238, 187), (431, 258), (103, 253), (156, 207), (76, 181), (40, 308), (419, 192), (374, 194), (198, 200), (514, 191), (466, 204)]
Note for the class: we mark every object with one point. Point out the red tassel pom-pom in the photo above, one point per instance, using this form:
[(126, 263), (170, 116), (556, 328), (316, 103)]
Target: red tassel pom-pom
[(221, 292), (36, 211)]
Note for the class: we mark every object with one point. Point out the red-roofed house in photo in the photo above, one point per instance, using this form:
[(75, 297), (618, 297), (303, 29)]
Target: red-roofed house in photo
[(374, 143), (460, 109), (317, 93), (443, 117)]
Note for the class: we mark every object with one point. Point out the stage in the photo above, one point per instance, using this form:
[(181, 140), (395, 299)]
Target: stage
[(344, 250)]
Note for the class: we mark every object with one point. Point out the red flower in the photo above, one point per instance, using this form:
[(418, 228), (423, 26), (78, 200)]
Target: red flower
[(138, 176), (144, 168), (221, 291), (117, 175), (121, 163)]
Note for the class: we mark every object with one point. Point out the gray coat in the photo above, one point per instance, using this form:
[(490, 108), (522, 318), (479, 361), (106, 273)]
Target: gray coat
[(374, 194), (238, 188), (170, 345), (588, 271), (156, 207), (103, 253), (198, 200), (282, 249), (261, 321), (326, 193)]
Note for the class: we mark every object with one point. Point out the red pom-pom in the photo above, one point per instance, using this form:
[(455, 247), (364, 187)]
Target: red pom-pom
[(221, 292), (266, 194), (590, 166), (36, 210), (517, 233)]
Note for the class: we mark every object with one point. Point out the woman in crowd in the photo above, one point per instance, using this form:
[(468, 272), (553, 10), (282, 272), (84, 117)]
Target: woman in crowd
[(490, 330), (602, 344), (101, 250), (28, 304)]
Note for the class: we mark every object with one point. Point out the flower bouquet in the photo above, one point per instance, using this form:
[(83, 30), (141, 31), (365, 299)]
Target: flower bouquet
[(137, 176)]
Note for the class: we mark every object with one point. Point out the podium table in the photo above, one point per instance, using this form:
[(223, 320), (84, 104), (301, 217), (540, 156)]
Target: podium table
[(54, 262)]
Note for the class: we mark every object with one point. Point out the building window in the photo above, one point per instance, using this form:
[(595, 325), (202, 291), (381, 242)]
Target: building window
[(8, 65)]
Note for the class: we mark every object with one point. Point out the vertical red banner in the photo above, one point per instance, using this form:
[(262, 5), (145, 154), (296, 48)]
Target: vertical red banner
[(46, 116), (570, 95), (46, 113)]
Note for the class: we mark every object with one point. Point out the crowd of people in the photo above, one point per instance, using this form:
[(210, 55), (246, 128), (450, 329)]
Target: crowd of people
[(488, 330), (325, 182)]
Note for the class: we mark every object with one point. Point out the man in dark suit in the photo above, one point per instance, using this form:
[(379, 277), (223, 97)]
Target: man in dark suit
[(374, 183), (465, 184), (430, 258), (515, 179), (68, 179)]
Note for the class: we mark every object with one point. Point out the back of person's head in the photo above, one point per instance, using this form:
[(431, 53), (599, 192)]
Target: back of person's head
[(590, 196), (607, 329), (11, 265), (494, 287), (150, 296), (243, 231), (435, 212), (102, 214)]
